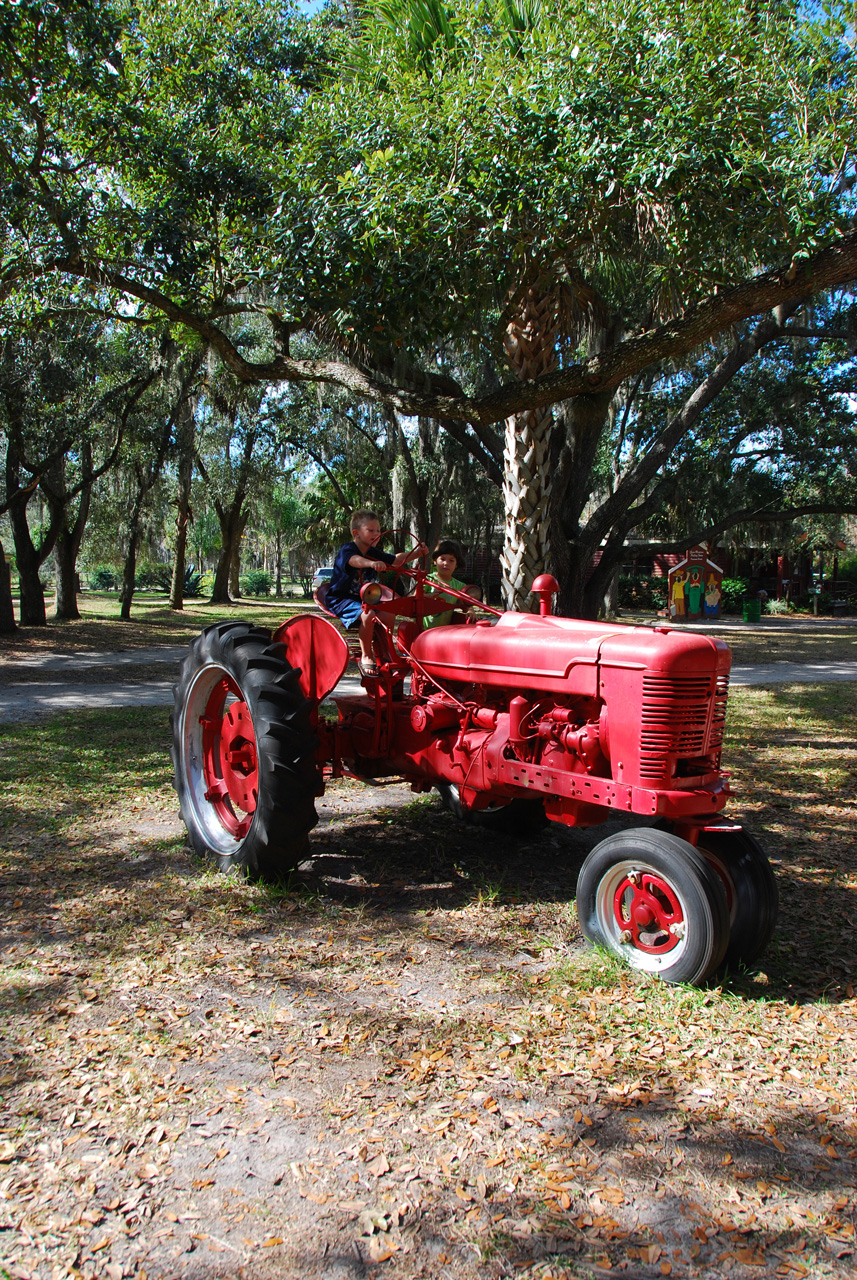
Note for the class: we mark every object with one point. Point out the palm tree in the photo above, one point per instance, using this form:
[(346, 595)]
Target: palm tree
[(531, 340)]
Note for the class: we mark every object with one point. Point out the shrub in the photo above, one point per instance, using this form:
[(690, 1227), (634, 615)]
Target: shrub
[(642, 593), (256, 583), (734, 591), (192, 587), (778, 607), (103, 578), (151, 575)]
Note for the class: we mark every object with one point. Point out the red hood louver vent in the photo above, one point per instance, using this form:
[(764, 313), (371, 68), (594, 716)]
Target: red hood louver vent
[(680, 719)]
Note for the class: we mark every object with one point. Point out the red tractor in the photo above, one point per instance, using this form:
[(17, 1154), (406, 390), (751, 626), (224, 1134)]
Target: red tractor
[(578, 721)]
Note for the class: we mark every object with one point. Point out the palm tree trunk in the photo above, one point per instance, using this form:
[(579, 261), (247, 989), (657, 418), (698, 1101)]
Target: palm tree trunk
[(531, 346)]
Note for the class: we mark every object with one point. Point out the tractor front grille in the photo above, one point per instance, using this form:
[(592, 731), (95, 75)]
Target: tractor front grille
[(718, 718), (682, 718)]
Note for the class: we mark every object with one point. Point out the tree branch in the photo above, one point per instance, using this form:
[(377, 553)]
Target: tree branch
[(830, 335), (779, 287), (758, 515), (320, 462), (474, 446), (657, 455)]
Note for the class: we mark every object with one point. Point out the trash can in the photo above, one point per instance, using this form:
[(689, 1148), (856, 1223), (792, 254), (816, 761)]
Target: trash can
[(752, 610)]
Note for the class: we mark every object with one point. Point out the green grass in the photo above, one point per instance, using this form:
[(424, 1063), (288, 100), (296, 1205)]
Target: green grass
[(791, 638), (803, 639), (152, 623)]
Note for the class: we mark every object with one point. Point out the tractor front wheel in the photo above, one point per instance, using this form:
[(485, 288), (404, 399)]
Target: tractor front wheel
[(243, 750), (654, 901), (751, 890)]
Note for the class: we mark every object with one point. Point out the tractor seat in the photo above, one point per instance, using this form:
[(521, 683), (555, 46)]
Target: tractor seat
[(320, 597), (407, 629)]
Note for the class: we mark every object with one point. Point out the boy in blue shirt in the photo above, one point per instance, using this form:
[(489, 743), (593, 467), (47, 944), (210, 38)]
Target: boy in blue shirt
[(358, 562)]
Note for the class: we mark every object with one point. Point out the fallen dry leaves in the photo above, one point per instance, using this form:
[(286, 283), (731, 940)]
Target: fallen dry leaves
[(408, 1063)]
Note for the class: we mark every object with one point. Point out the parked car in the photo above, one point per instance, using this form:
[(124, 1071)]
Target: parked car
[(324, 574)]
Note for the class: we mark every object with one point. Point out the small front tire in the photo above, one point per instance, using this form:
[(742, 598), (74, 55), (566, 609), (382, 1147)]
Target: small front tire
[(654, 901), (751, 890)]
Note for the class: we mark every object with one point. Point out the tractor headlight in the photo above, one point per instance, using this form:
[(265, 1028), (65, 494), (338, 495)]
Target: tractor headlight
[(371, 594)]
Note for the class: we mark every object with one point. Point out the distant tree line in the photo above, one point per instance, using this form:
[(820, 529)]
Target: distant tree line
[(582, 270)]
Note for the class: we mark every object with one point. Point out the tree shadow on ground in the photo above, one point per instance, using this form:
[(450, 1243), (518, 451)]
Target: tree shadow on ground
[(402, 862)]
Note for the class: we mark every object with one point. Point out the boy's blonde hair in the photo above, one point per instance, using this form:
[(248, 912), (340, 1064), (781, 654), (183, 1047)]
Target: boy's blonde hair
[(361, 517)]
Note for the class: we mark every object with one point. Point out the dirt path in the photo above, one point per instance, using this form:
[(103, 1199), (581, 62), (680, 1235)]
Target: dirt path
[(405, 1066), (49, 683)]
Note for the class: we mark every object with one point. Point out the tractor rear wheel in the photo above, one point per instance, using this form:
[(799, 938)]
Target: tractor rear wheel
[(654, 901), (751, 890), (243, 750)]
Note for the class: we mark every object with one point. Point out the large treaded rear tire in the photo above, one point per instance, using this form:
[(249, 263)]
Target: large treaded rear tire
[(243, 750)]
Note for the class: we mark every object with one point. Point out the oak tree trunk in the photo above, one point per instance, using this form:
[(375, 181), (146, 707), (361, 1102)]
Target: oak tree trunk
[(180, 561), (66, 552), (65, 557), (7, 609), (220, 590), (572, 547), (29, 557), (186, 440), (235, 562), (129, 571), (30, 589), (232, 525)]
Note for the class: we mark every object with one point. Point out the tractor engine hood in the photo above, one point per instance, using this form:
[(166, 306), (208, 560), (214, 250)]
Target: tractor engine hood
[(561, 655)]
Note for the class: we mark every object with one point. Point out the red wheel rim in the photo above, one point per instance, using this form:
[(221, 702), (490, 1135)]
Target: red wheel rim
[(647, 907), (229, 760)]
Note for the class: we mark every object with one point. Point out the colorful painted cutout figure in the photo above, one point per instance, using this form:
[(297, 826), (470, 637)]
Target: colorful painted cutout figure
[(694, 593), (695, 589), (713, 595), (677, 584)]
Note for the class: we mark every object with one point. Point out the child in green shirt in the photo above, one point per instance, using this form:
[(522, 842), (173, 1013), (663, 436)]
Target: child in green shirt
[(447, 557)]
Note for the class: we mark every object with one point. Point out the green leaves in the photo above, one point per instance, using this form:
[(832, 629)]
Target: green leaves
[(397, 178), (694, 139), (421, 28)]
